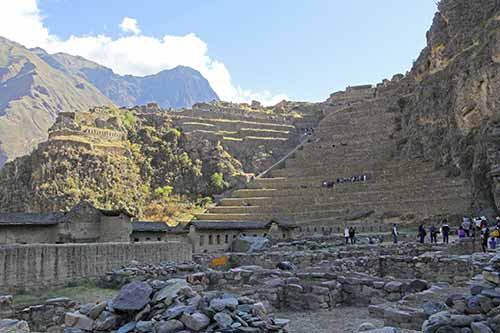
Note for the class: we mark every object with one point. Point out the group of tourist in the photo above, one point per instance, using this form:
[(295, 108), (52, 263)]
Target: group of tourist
[(308, 131), (444, 230), (477, 227), (353, 179), (350, 235)]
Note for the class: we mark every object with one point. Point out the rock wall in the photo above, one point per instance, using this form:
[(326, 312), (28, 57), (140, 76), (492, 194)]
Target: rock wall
[(434, 267), (30, 267), (451, 115)]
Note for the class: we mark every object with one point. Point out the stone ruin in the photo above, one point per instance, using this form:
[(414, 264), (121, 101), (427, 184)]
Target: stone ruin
[(409, 286)]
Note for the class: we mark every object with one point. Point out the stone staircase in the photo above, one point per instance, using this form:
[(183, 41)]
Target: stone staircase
[(356, 140)]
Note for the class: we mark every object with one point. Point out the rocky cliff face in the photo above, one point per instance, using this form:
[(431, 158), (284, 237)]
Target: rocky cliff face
[(450, 100)]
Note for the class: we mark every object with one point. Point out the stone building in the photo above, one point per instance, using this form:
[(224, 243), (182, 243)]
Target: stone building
[(82, 224), (211, 236), (88, 224)]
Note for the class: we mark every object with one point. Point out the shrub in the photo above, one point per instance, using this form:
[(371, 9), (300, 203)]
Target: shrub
[(217, 181), (129, 120), (164, 191)]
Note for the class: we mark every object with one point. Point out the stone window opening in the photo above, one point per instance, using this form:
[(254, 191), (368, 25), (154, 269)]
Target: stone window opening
[(159, 239), (218, 239), (202, 240), (226, 239), (148, 239), (136, 239), (284, 236), (210, 240)]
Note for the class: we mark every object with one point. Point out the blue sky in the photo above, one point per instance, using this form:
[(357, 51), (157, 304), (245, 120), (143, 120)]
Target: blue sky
[(304, 49)]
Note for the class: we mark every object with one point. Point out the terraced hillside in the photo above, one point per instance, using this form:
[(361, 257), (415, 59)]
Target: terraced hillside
[(359, 136), (256, 139), (159, 164)]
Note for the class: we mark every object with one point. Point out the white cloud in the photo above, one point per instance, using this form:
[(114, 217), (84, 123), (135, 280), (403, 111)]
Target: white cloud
[(136, 54), (130, 25)]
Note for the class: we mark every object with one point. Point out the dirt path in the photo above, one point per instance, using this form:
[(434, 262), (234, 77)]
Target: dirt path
[(339, 320)]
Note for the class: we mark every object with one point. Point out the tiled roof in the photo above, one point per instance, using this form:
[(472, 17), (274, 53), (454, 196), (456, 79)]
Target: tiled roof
[(29, 218), (144, 226)]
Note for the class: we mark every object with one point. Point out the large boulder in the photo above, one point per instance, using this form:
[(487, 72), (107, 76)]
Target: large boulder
[(196, 321), (219, 304), (170, 326), (169, 292), (106, 321), (133, 297), (14, 326), (78, 320), (249, 244)]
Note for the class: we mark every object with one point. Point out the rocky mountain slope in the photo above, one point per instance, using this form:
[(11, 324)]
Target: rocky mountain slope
[(180, 87), (450, 101), (117, 158), (31, 95), (35, 86)]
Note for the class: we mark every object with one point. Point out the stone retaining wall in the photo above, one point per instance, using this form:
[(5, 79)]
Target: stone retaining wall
[(311, 290), (435, 267), (30, 267)]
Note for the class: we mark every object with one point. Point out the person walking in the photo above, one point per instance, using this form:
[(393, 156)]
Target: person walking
[(421, 234), (445, 229), (352, 235), (346, 235), (466, 225), (395, 234), (485, 233), (434, 234), (461, 232)]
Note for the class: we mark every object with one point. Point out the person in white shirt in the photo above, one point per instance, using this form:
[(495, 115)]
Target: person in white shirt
[(346, 235)]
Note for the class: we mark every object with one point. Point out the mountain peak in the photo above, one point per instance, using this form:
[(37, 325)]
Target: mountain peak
[(35, 86)]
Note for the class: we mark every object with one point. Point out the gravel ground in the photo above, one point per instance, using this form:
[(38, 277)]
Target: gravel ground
[(343, 319), (339, 320)]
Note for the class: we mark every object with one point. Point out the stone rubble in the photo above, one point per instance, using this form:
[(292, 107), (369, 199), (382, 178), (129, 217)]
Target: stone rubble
[(14, 326), (478, 312), (404, 285), (173, 306)]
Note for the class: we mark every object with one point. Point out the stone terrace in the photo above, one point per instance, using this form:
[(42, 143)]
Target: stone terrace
[(246, 135), (357, 137)]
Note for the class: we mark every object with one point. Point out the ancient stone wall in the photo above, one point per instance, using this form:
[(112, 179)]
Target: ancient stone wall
[(30, 267)]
